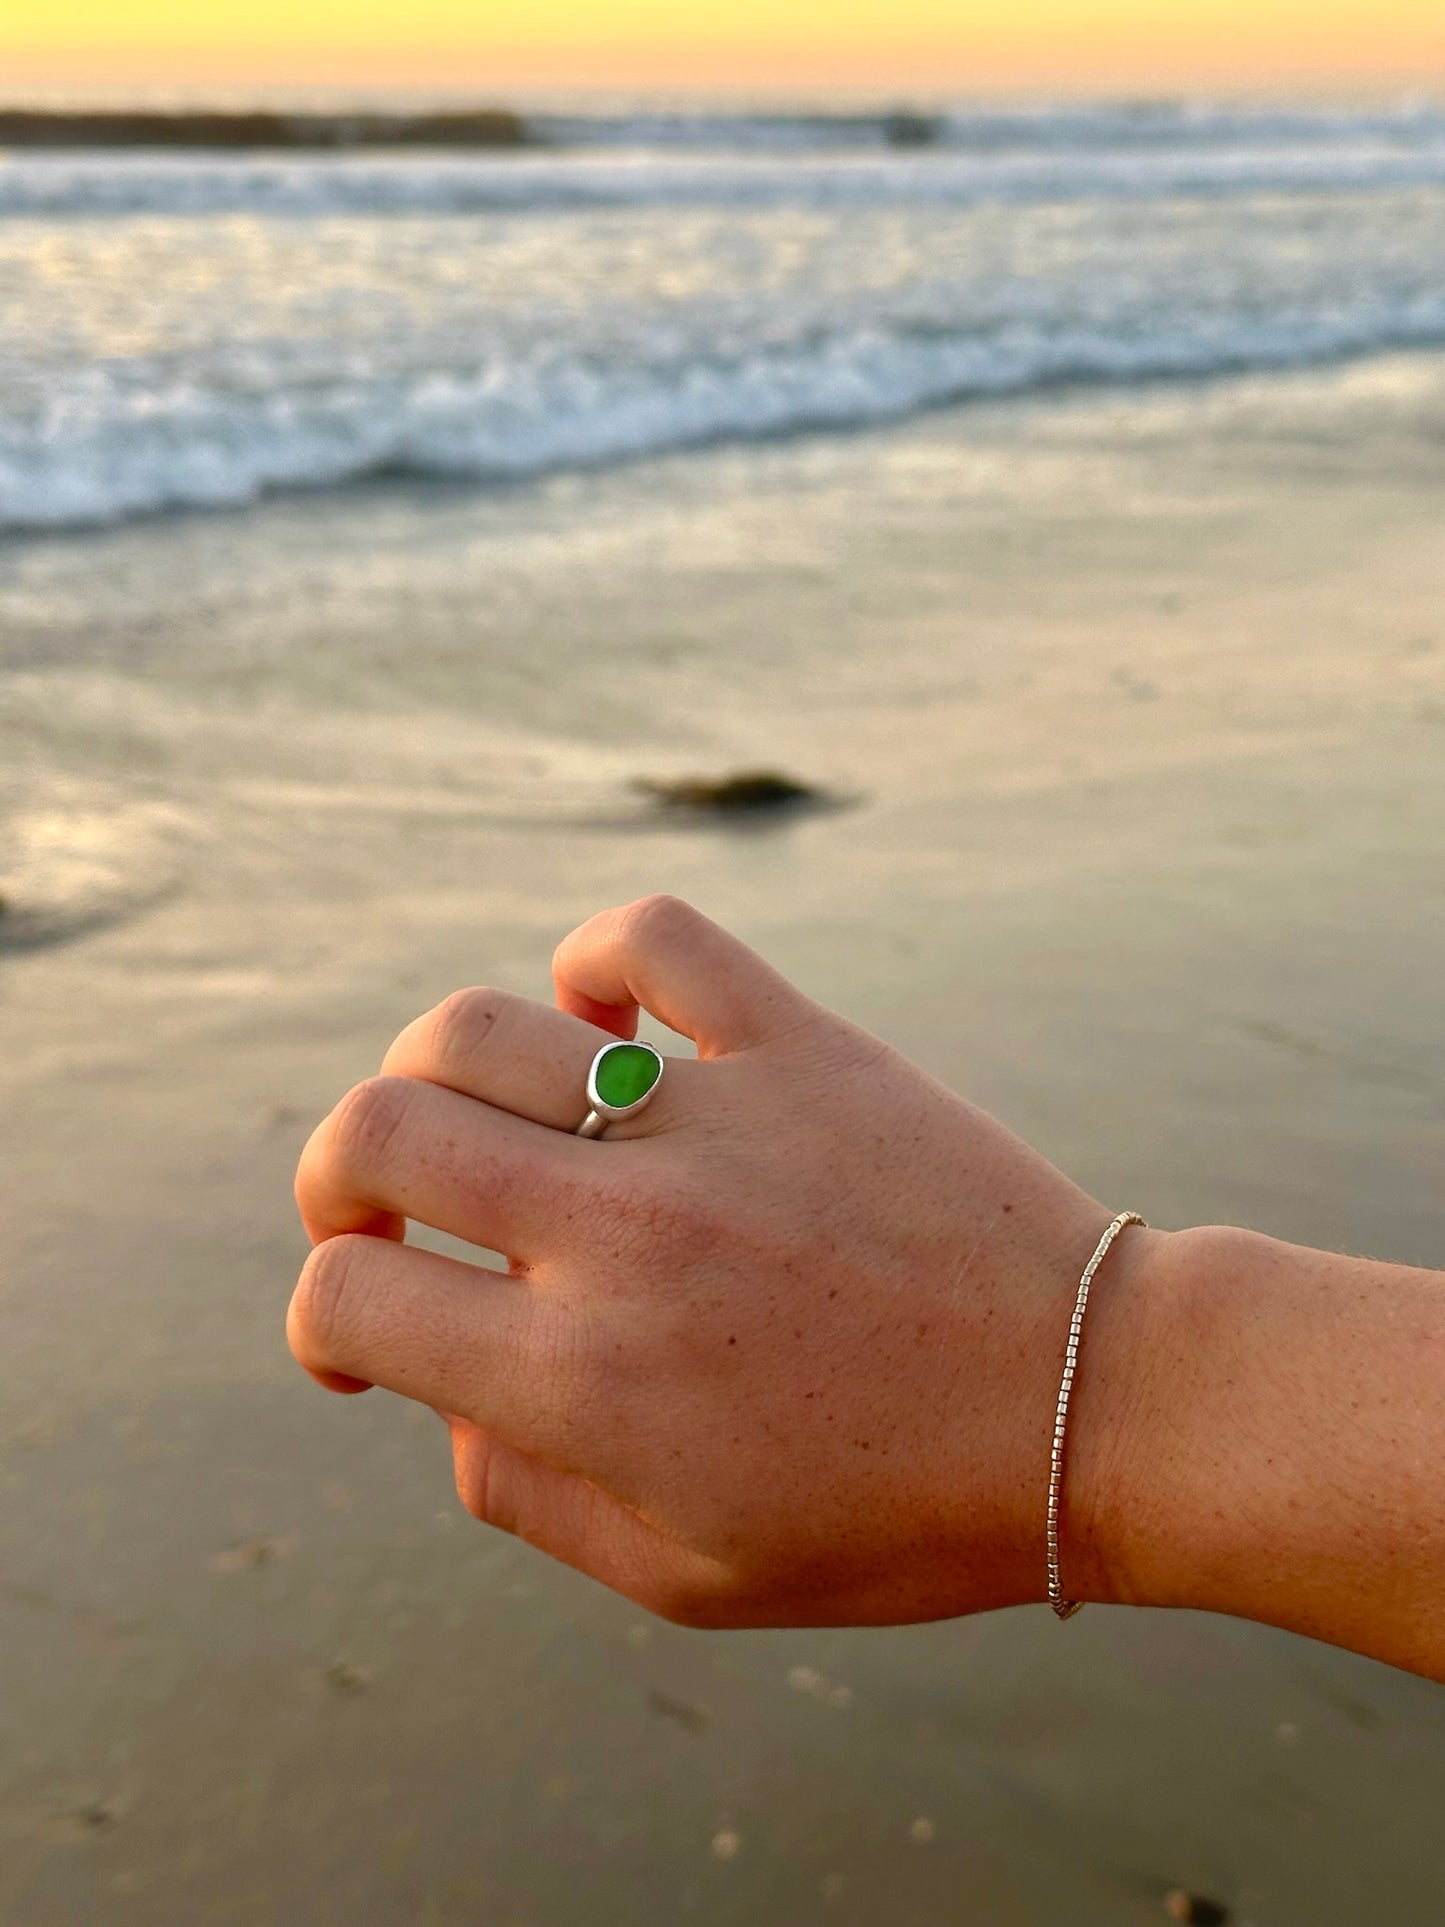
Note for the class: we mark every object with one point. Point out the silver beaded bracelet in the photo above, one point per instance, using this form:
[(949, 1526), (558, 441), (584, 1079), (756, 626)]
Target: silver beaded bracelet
[(1066, 1608)]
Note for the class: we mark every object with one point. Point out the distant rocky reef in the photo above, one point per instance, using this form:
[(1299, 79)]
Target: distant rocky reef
[(482, 127), (913, 130)]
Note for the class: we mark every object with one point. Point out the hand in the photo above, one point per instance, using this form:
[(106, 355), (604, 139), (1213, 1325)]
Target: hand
[(783, 1348)]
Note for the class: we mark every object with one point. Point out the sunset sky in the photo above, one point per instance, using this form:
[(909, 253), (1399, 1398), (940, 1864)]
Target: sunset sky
[(487, 45)]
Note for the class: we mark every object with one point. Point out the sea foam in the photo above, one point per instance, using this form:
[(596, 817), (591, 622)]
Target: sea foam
[(191, 329)]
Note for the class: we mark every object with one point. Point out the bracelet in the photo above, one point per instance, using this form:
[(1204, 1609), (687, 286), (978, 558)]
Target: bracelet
[(1066, 1608)]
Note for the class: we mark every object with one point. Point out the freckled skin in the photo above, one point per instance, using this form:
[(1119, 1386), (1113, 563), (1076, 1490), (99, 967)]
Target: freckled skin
[(783, 1347)]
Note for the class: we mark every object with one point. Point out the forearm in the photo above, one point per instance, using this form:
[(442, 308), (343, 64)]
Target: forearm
[(1285, 1449)]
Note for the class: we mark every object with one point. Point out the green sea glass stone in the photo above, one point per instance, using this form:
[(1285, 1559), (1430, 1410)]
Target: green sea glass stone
[(626, 1073)]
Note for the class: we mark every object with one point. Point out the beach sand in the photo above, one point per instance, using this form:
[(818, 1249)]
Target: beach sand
[(1142, 705)]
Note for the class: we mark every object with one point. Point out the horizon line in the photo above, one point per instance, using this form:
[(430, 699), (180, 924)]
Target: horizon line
[(1403, 83)]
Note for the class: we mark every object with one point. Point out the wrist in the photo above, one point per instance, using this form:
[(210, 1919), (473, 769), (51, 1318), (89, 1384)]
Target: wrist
[(1259, 1435), (1181, 1444), (1207, 1507), (1128, 1489)]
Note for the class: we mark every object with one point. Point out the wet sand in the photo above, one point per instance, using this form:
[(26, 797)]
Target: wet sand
[(1144, 705)]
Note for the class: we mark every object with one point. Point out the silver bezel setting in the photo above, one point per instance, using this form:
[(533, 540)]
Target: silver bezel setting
[(614, 1112)]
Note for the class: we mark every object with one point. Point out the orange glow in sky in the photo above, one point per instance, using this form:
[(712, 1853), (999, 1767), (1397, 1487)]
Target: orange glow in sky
[(485, 45)]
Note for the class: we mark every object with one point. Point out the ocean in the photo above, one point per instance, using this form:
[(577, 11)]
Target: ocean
[(195, 327)]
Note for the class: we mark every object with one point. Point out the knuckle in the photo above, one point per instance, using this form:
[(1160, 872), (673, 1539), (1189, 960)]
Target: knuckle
[(462, 1022), (584, 1373), (710, 1219), (477, 1481), (474, 1491), (677, 1226), (654, 919), (368, 1121), (648, 1218), (327, 1290)]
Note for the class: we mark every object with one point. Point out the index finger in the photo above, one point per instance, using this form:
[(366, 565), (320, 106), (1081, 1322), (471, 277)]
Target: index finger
[(670, 959)]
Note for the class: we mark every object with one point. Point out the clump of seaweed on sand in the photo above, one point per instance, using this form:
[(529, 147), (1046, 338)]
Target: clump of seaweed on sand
[(754, 792)]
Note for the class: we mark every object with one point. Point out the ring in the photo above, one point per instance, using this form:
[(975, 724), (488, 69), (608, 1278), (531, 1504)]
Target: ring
[(622, 1079)]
